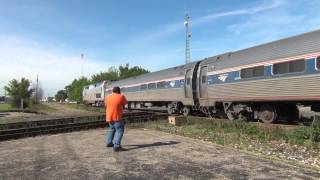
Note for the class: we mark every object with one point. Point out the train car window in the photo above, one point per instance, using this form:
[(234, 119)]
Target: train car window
[(247, 73), (297, 66), (182, 82), (258, 71), (289, 67), (204, 79), (151, 85), (281, 68), (318, 62), (143, 87), (188, 81), (124, 89), (133, 88), (161, 84), (98, 95), (252, 72)]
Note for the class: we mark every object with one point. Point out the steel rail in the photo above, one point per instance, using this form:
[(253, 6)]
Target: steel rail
[(53, 126)]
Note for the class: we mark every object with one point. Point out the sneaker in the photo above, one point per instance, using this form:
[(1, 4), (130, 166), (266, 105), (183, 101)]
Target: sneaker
[(109, 145), (117, 149)]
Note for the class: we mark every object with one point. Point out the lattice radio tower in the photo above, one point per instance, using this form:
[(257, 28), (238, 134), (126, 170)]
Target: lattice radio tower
[(188, 35)]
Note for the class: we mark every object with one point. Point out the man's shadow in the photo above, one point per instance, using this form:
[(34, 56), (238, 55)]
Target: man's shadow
[(138, 146)]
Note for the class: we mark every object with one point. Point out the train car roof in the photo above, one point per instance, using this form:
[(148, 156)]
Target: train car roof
[(288, 47), (154, 76), (293, 46)]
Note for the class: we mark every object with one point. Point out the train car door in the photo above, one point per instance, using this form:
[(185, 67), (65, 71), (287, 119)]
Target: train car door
[(203, 83), (188, 84)]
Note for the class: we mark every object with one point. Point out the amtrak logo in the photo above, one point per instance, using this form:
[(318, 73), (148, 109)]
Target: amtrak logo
[(172, 83), (223, 77)]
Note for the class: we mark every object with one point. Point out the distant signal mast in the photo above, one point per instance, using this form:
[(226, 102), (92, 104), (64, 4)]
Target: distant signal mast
[(188, 35), (82, 56)]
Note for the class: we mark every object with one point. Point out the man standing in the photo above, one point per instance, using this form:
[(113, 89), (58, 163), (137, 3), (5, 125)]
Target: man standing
[(114, 107)]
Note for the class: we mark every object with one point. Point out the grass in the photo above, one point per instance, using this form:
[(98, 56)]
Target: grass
[(85, 107), (240, 132), (37, 108), (41, 108), (5, 107), (297, 145)]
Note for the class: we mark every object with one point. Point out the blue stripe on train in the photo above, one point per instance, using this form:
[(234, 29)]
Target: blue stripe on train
[(234, 76), (168, 85)]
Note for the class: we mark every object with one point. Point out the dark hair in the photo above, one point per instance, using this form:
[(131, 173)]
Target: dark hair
[(116, 89)]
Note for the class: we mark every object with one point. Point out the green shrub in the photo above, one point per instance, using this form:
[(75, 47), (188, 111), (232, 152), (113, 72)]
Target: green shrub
[(230, 132), (252, 130), (299, 135)]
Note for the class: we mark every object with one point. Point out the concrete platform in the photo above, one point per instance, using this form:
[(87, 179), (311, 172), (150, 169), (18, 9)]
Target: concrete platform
[(150, 155)]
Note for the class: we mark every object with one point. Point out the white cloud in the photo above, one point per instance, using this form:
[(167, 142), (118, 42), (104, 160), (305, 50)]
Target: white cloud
[(24, 58), (264, 6), (262, 24), (276, 24), (172, 28)]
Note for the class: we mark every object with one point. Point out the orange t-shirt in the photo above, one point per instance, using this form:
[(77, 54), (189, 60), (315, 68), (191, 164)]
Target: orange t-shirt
[(114, 106)]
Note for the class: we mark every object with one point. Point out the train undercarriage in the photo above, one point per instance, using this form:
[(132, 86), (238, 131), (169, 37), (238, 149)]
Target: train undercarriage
[(266, 112)]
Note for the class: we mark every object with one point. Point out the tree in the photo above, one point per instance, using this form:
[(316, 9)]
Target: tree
[(111, 74), (126, 72), (118, 73), (19, 90), (74, 90), (61, 95)]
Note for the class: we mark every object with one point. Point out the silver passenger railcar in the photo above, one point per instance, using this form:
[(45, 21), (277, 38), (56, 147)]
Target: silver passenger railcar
[(264, 81)]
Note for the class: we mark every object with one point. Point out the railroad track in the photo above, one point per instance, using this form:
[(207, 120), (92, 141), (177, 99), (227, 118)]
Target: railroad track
[(41, 127), (134, 119)]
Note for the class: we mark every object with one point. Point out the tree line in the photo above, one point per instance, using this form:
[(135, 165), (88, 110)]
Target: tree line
[(73, 91), (23, 93)]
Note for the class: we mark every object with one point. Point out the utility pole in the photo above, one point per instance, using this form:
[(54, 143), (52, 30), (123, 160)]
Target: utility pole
[(187, 36), (5, 95), (36, 92)]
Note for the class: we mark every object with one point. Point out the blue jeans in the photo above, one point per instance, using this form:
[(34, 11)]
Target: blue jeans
[(116, 130)]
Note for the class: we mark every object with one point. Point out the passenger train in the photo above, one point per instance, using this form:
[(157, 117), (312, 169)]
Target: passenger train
[(261, 82), (94, 93)]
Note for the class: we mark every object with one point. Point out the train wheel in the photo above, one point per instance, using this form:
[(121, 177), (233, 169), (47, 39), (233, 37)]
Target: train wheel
[(267, 113), (185, 111), (232, 115), (170, 109)]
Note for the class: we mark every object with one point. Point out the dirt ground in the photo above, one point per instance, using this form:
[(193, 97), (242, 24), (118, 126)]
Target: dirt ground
[(151, 155)]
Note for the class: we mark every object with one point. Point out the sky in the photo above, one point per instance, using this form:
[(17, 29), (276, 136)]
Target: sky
[(47, 37)]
